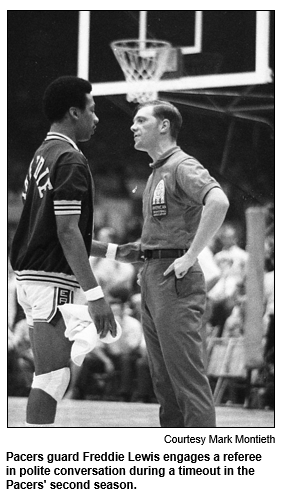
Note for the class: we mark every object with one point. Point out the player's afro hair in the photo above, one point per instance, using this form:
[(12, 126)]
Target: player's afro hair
[(63, 93)]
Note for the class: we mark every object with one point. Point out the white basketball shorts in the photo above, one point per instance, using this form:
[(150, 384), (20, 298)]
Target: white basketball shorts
[(40, 302)]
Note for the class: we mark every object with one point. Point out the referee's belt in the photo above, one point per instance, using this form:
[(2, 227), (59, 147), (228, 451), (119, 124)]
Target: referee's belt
[(165, 253)]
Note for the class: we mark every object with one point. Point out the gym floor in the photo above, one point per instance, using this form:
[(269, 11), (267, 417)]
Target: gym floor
[(74, 413)]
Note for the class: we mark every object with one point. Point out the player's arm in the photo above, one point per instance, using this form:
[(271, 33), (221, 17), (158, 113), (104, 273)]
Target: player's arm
[(129, 253), (213, 215), (74, 249)]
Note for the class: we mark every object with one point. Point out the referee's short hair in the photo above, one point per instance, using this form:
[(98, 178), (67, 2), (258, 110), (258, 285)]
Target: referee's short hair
[(164, 109), (62, 93)]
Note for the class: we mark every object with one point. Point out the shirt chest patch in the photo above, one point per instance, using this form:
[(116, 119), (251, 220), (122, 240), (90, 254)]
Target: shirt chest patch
[(159, 203)]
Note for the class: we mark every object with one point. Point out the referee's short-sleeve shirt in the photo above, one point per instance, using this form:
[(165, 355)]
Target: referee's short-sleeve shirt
[(173, 200)]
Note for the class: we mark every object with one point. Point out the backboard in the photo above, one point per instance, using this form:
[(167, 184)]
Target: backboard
[(214, 49)]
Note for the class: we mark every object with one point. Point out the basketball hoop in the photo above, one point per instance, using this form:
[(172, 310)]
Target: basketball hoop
[(140, 61)]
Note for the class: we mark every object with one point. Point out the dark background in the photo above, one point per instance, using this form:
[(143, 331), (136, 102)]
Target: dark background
[(42, 45)]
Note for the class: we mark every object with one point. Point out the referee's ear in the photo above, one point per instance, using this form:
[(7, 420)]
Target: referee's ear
[(165, 127)]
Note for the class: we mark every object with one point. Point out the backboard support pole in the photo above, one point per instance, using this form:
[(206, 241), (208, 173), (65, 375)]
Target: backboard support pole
[(142, 24), (262, 41), (83, 44)]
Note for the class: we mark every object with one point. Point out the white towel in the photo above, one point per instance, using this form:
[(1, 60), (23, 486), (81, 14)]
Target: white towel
[(81, 330)]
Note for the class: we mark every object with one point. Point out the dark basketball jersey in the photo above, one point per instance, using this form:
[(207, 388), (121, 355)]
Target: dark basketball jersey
[(58, 182)]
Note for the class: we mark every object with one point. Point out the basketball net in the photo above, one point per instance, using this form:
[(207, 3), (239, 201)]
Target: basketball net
[(141, 61)]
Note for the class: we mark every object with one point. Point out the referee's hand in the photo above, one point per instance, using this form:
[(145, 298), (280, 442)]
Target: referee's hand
[(180, 266)]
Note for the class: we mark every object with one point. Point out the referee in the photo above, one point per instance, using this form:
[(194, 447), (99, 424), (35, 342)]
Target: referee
[(183, 207)]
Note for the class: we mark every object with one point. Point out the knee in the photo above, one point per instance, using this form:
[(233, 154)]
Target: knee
[(53, 383)]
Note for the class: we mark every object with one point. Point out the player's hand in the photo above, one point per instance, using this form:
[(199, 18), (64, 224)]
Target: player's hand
[(180, 266), (130, 252), (102, 317)]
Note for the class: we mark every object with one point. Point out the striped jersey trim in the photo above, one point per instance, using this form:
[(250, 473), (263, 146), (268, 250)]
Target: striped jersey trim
[(51, 136), (45, 278), (67, 207)]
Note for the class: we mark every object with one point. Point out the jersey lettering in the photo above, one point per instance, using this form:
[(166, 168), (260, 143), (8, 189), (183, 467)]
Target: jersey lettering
[(39, 164), (38, 176), (45, 186)]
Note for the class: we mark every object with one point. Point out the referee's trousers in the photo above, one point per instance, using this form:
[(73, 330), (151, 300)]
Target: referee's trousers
[(171, 316)]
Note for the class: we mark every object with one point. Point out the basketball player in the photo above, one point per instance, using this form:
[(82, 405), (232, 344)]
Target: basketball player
[(53, 241), (183, 207)]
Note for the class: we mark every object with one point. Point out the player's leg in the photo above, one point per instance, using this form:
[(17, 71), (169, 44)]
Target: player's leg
[(51, 352)]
